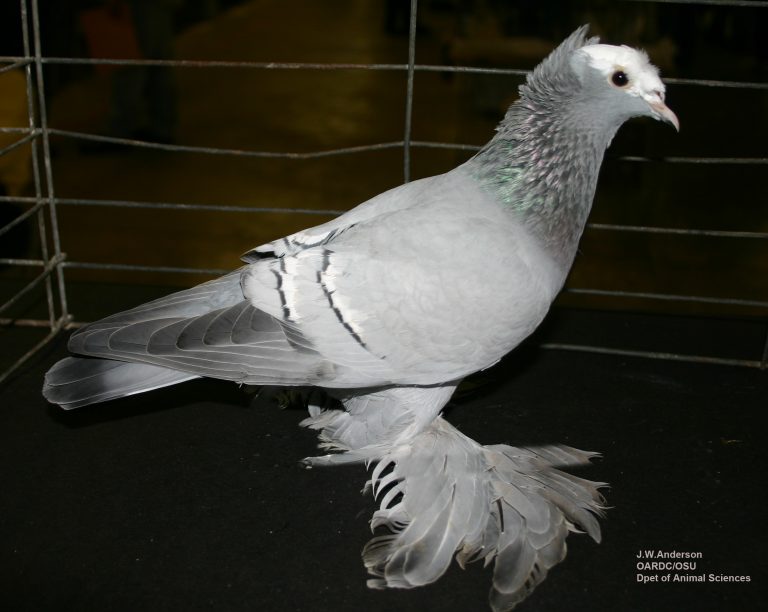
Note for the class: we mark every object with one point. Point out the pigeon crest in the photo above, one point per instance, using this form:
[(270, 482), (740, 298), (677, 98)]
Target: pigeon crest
[(554, 79)]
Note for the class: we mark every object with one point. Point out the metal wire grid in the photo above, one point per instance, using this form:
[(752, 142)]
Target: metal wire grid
[(44, 203)]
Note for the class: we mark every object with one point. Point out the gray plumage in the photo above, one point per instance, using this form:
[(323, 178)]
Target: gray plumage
[(390, 305)]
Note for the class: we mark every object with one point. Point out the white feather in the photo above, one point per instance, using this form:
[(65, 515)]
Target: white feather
[(441, 495)]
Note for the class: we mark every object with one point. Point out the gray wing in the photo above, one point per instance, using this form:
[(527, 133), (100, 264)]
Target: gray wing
[(209, 330)]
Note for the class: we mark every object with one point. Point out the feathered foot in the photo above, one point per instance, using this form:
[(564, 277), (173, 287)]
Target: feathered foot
[(442, 493)]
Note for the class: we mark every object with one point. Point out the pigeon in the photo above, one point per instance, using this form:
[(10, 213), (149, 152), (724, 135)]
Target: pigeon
[(390, 305)]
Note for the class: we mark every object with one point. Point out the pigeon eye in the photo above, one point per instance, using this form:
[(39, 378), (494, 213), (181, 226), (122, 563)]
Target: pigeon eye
[(620, 78)]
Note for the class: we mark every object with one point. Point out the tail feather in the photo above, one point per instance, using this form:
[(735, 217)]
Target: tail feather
[(78, 381)]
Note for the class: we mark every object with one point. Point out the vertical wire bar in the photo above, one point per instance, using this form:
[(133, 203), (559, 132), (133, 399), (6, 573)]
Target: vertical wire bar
[(41, 226), (764, 360), (43, 118), (409, 93), (26, 356)]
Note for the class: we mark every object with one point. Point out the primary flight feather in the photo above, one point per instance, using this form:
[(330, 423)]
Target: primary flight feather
[(390, 305)]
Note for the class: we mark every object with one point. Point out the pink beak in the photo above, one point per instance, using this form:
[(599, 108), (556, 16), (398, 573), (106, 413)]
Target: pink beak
[(663, 113)]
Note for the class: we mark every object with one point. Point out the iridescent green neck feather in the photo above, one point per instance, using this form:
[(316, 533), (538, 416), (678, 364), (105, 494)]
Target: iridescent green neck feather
[(544, 161)]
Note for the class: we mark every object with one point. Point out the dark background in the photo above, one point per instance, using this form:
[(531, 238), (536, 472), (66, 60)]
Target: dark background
[(191, 498)]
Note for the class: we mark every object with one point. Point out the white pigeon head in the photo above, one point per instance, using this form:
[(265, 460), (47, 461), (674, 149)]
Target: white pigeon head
[(626, 79)]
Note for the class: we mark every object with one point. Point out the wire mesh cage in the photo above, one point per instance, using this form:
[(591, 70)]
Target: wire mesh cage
[(684, 264)]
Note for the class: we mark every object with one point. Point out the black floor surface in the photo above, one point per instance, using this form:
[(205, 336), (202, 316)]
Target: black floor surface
[(191, 498)]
